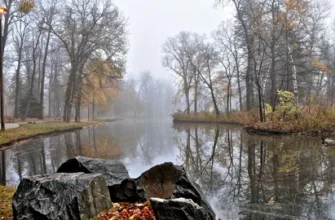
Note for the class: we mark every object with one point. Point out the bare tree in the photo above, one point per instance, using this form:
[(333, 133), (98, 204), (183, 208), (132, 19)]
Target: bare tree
[(175, 58), (205, 62)]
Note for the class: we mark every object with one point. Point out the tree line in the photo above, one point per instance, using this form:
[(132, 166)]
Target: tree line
[(61, 56), (269, 46), (144, 96)]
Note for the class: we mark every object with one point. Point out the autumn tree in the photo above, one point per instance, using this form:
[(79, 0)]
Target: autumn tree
[(100, 86), (88, 29)]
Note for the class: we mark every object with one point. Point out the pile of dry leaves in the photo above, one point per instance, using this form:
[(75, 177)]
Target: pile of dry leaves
[(128, 211)]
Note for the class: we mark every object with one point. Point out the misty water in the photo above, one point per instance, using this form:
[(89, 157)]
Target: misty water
[(243, 176)]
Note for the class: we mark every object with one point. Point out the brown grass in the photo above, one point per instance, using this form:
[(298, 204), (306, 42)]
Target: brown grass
[(242, 118), (6, 195), (310, 119)]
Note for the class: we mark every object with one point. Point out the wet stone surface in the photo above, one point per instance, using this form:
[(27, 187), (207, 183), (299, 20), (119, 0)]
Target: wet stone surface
[(167, 181), (61, 196), (181, 209), (113, 171)]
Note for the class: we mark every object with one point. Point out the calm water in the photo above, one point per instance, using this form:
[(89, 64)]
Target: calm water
[(243, 176)]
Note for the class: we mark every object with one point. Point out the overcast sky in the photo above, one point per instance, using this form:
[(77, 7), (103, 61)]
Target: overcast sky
[(151, 22)]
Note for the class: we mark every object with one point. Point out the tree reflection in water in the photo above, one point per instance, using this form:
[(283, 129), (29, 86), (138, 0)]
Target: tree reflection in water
[(244, 176), (251, 177)]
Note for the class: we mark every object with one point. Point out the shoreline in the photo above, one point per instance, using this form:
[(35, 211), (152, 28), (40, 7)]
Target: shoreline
[(254, 130), (249, 129), (48, 128), (202, 121)]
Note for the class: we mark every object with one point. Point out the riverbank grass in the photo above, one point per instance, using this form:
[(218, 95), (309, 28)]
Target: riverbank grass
[(27, 131), (6, 195), (241, 118), (312, 120)]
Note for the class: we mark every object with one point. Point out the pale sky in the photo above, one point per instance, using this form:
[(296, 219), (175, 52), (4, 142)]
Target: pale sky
[(151, 22)]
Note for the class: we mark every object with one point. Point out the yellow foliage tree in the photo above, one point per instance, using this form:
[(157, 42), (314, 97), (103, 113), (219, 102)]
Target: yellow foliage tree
[(100, 85), (287, 108)]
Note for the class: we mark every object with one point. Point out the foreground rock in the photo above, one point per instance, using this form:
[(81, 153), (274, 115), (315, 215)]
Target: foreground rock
[(61, 196), (167, 181), (72, 195), (181, 209), (121, 187), (113, 171)]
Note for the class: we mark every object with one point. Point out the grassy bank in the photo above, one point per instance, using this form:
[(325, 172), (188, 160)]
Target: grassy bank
[(239, 118), (6, 194), (27, 131), (310, 120)]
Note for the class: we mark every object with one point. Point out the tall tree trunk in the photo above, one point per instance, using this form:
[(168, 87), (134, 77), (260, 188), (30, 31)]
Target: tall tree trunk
[(273, 95), (196, 95), (217, 111), (294, 74), (78, 108), (249, 41), (39, 71), (249, 76), (8, 19), (228, 97), (7, 22), (238, 81), (50, 92), (57, 96), (32, 77), (187, 96), (43, 74), (17, 84), (260, 103), (69, 95), (273, 76), (78, 96), (93, 108)]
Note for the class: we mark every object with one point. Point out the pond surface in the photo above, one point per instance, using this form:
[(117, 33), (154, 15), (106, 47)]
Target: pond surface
[(243, 176)]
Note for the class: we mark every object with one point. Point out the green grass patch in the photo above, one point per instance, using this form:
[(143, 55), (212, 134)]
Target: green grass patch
[(6, 195), (27, 131)]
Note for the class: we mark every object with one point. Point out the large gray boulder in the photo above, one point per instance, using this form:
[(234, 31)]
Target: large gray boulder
[(75, 196), (167, 181), (181, 209), (113, 171), (121, 187)]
